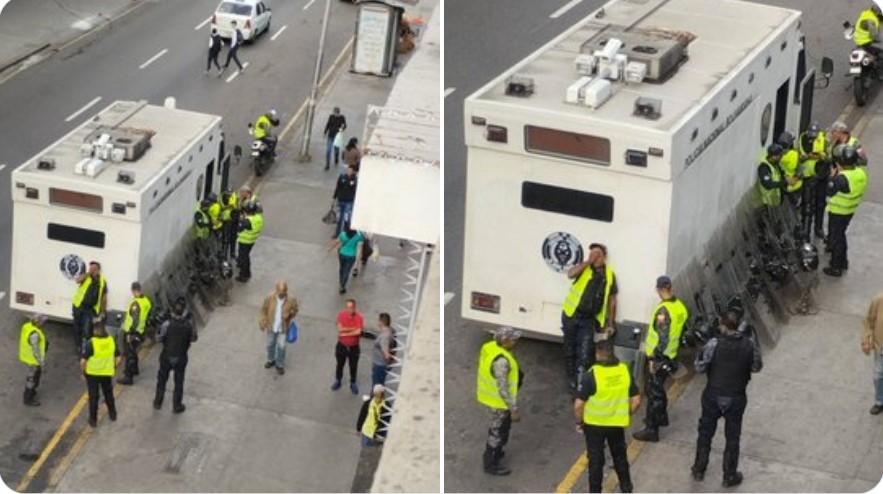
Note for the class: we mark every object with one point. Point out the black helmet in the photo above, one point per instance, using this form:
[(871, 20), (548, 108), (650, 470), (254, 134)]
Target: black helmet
[(848, 156), (225, 196), (774, 150), (212, 197), (786, 139), (813, 131), (205, 203), (876, 10), (249, 207)]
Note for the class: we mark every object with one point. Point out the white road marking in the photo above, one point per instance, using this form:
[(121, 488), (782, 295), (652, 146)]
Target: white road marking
[(283, 28), (1, 169), (449, 90), (448, 297), (203, 23), (81, 110), (569, 5), (153, 58), (2, 294), (311, 2), (233, 76)]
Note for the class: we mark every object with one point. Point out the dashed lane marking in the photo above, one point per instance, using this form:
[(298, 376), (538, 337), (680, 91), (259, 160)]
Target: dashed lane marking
[(311, 2), (153, 58), (203, 23), (569, 5), (2, 294), (81, 110), (233, 76), (449, 90), (283, 28), (448, 297), (1, 169)]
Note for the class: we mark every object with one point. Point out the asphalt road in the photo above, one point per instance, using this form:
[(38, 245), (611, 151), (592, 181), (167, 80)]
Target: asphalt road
[(40, 105), (482, 39)]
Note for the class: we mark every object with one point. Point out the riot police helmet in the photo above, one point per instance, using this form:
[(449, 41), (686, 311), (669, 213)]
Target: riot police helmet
[(774, 150), (213, 197), (786, 140), (813, 131), (205, 203), (848, 156), (876, 10), (249, 207), (225, 196)]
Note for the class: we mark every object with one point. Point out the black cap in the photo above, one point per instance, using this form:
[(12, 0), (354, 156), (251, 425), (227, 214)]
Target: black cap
[(600, 246), (663, 282)]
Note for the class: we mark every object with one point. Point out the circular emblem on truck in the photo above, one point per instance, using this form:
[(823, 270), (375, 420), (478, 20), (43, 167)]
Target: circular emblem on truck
[(71, 265), (562, 251)]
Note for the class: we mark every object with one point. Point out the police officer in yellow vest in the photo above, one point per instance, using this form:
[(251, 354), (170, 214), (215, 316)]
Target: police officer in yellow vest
[(499, 379), (229, 220), (840, 134), (605, 401), (813, 148), (89, 302), (134, 327), (214, 213), (790, 163), (845, 192), (250, 227), (263, 127), (32, 348), (867, 32), (663, 340), (771, 180), (98, 362), (589, 309), (202, 222)]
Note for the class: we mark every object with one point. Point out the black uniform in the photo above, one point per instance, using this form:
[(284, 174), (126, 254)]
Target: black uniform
[(729, 361), (837, 225), (580, 329), (176, 334)]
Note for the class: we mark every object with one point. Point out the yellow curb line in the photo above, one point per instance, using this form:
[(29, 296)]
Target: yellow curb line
[(634, 450)]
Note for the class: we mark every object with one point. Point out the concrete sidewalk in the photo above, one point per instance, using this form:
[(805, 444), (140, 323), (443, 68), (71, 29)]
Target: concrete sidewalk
[(247, 429)]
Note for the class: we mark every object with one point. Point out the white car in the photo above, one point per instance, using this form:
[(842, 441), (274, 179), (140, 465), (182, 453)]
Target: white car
[(252, 18)]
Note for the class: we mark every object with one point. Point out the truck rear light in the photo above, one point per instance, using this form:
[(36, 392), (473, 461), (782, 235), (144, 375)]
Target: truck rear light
[(486, 302), (24, 298), (248, 24), (479, 120), (496, 133), (32, 193)]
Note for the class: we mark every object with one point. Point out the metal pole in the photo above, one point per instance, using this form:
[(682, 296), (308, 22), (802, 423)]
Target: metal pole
[(311, 107)]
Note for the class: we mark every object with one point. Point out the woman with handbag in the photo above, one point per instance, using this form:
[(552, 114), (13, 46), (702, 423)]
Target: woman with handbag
[(349, 248)]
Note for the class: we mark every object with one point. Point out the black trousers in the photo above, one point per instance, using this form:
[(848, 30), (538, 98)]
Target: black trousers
[(813, 211), (579, 346), (343, 354), (714, 406), (82, 326), (213, 57), (131, 343), (231, 54), (657, 400), (105, 383), (166, 366), (837, 225), (245, 260), (615, 437)]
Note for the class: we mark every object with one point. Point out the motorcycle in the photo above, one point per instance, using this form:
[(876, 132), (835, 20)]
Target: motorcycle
[(261, 153), (864, 66)]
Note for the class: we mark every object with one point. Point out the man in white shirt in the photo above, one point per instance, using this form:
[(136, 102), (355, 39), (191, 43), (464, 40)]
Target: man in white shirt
[(277, 313), (235, 42)]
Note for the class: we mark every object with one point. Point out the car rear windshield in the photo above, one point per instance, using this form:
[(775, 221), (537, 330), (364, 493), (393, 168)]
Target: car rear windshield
[(234, 8)]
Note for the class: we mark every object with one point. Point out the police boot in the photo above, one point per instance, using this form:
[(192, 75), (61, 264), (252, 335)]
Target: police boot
[(30, 398), (492, 462), (700, 463), (648, 434), (732, 477)]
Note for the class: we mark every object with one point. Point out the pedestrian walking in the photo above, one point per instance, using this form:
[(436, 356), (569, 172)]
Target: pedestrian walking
[(236, 41), (351, 154), (382, 354), (89, 302), (277, 313), (349, 249), (350, 325), (32, 351), (589, 308), (134, 327), (605, 401), (371, 416), (499, 379), (663, 341), (251, 224), (99, 361), (872, 342), (214, 49), (729, 360), (846, 188), (336, 124), (176, 335), (345, 195)]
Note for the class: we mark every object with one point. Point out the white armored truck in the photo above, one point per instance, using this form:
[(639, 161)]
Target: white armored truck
[(119, 189), (641, 128)]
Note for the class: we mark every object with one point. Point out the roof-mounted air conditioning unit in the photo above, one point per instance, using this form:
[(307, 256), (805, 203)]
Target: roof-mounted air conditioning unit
[(660, 51)]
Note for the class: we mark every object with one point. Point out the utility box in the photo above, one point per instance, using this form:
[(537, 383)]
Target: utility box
[(377, 38)]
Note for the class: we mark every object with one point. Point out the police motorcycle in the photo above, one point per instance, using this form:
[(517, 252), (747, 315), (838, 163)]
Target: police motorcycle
[(263, 150), (864, 67)]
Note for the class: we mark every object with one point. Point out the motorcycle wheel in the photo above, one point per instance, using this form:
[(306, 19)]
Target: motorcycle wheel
[(258, 166), (859, 88)]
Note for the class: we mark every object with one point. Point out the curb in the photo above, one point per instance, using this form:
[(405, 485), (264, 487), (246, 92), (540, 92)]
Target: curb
[(24, 57)]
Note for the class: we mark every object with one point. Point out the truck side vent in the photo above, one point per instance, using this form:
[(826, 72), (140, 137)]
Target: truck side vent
[(519, 86), (648, 108), (126, 177), (46, 164)]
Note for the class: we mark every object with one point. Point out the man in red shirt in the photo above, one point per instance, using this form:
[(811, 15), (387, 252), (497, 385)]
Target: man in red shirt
[(349, 331)]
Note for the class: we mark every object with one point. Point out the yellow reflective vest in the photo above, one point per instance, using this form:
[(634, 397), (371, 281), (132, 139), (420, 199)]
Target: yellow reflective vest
[(579, 286), (261, 126), (488, 392), (791, 166), (101, 363), (144, 306), (862, 35), (257, 226), (770, 197), (84, 287), (609, 406), (678, 313), (820, 146), (25, 350), (214, 213), (845, 204), (372, 421)]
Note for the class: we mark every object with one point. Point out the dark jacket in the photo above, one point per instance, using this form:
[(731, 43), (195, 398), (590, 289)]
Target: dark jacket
[(176, 335), (729, 361), (346, 188), (335, 124), (214, 43)]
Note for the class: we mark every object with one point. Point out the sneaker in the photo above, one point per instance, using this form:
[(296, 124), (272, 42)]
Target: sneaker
[(93, 423), (342, 291), (335, 386), (733, 480), (832, 271), (355, 273), (125, 381), (179, 409), (269, 364), (647, 435), (697, 475), (354, 388), (112, 415), (157, 405), (876, 409), (280, 371)]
